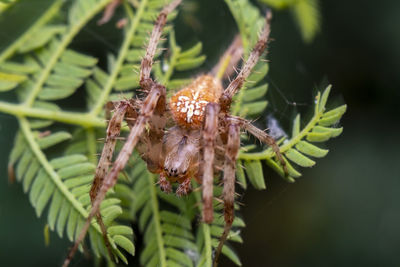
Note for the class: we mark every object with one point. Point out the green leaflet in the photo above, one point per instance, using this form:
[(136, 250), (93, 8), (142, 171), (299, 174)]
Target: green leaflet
[(305, 12), (178, 61), (308, 18), (255, 173), (54, 73), (9, 81), (164, 231), (298, 148), (311, 150), (28, 20)]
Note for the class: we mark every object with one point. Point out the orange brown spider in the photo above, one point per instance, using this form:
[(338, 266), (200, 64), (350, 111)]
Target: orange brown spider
[(201, 123)]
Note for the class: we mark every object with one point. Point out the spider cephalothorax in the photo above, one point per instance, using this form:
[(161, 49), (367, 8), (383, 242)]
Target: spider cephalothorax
[(188, 105), (192, 135)]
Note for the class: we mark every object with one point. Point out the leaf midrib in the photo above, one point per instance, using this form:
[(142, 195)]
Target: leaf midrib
[(28, 134), (66, 40)]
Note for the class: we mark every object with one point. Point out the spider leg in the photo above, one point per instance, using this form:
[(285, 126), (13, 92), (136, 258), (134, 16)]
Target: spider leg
[(184, 188), (109, 12), (263, 137), (165, 185), (147, 61), (209, 136), (149, 105), (154, 101), (113, 131), (232, 150), (236, 84)]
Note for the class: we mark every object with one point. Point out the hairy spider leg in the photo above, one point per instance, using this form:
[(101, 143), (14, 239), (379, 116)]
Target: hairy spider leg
[(225, 103), (113, 131), (147, 61), (263, 137), (232, 150), (151, 102), (210, 132)]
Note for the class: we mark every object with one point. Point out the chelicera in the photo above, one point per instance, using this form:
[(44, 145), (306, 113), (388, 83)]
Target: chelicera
[(193, 135)]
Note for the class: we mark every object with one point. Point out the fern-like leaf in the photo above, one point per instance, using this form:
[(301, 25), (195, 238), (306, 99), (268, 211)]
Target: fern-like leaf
[(56, 168), (179, 61), (299, 148), (63, 185), (13, 74), (167, 233)]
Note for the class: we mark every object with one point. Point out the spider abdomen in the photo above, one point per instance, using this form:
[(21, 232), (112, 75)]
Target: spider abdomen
[(188, 105)]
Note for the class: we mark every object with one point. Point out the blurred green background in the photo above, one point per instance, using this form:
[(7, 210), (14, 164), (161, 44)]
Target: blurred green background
[(345, 211)]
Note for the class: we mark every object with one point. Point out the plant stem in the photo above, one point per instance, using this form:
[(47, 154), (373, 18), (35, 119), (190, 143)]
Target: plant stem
[(157, 220), (82, 119), (176, 50), (206, 233), (52, 174)]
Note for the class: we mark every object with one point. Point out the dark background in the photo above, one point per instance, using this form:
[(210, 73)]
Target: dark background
[(345, 211)]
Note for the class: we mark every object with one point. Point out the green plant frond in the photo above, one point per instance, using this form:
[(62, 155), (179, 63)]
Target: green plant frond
[(248, 20), (306, 13), (250, 100), (13, 74), (308, 18), (27, 24), (62, 184), (298, 150), (123, 73), (56, 78), (56, 169), (216, 230), (40, 37), (208, 236), (53, 72), (279, 4), (165, 220), (67, 76)]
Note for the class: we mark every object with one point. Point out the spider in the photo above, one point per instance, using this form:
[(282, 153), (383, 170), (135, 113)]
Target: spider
[(204, 134)]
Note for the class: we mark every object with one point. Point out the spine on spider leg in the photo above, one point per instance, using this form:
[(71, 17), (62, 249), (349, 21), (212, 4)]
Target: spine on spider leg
[(232, 151), (210, 133)]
